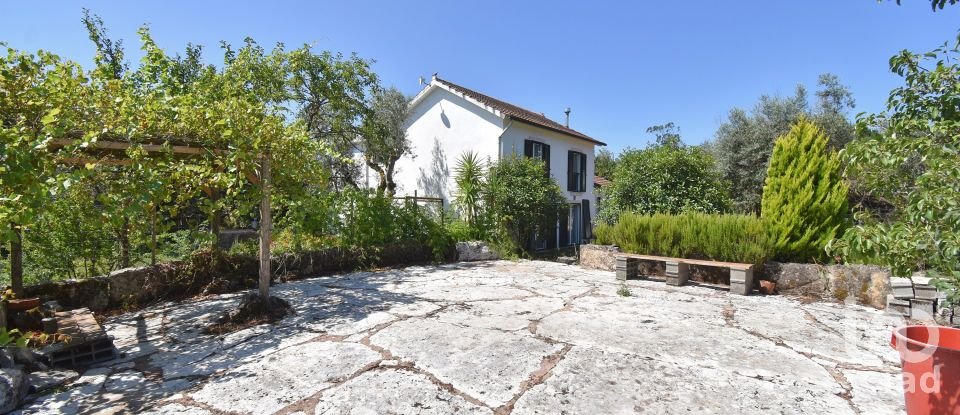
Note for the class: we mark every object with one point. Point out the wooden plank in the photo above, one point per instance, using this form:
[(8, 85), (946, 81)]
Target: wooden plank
[(708, 263), (121, 146)]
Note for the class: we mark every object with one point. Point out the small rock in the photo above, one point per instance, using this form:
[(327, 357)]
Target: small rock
[(13, 388), (475, 251)]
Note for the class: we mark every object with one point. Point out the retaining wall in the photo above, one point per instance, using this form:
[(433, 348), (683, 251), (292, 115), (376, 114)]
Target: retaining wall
[(132, 287)]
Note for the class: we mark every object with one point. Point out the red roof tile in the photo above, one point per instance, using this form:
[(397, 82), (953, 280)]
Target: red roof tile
[(519, 114), (600, 181)]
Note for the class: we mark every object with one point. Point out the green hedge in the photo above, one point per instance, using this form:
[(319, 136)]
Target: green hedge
[(728, 238)]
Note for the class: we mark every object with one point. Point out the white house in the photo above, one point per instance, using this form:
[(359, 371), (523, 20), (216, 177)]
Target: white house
[(447, 120)]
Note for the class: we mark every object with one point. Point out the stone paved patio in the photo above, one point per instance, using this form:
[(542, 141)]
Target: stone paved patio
[(498, 337)]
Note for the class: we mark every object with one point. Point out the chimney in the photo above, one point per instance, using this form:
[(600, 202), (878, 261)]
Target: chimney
[(567, 112)]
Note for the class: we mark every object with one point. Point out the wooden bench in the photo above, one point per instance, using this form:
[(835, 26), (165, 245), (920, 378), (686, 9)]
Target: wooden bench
[(678, 270)]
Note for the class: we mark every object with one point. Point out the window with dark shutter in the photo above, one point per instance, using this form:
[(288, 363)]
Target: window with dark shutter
[(576, 171)]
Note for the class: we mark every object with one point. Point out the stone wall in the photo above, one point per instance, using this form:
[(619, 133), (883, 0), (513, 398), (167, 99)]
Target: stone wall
[(132, 287), (863, 284), (601, 257)]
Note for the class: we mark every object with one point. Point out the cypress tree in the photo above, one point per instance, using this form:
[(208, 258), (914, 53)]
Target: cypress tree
[(804, 197)]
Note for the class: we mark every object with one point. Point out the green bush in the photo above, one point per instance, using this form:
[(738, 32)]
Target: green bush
[(804, 198), (522, 198), (664, 178), (728, 238)]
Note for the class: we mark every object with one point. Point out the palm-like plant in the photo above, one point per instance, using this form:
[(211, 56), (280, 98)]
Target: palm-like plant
[(469, 174)]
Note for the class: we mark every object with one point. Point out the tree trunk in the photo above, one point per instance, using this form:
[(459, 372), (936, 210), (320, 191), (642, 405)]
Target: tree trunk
[(265, 230), (16, 260), (153, 234), (390, 185), (123, 237)]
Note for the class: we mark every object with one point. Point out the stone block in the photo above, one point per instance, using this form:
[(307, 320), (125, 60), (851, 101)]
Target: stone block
[(897, 306), (677, 273), (741, 281), (626, 268), (924, 292), (902, 288), (921, 309), (601, 257), (475, 251)]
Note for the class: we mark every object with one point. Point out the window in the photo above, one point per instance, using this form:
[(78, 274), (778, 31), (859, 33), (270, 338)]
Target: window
[(576, 171), (538, 150)]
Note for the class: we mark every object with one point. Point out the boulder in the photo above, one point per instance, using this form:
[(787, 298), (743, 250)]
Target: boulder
[(475, 251), (13, 388), (602, 257)]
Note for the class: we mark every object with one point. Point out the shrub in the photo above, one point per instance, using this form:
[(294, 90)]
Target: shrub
[(664, 178), (804, 198), (728, 238), (522, 198)]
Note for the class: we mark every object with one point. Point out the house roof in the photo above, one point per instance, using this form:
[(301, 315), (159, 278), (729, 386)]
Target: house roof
[(600, 181), (514, 112)]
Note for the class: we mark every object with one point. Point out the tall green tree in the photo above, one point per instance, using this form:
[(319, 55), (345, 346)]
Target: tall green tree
[(909, 157), (605, 162), (667, 177), (744, 143), (384, 137), (804, 198)]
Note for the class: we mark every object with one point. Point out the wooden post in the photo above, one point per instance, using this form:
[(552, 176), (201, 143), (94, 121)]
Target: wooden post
[(16, 260), (153, 233), (266, 226)]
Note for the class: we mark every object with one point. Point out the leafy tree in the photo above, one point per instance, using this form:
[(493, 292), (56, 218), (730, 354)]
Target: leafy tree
[(937, 4), (332, 96), (36, 95), (664, 178), (523, 200), (744, 143), (910, 158), (605, 163), (804, 198), (384, 139), (666, 134), (469, 177)]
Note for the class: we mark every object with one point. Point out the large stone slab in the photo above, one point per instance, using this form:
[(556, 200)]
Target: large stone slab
[(593, 381), (285, 377), (488, 365), (396, 392)]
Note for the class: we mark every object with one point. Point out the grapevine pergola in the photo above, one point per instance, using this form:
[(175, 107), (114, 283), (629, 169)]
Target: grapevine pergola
[(117, 150)]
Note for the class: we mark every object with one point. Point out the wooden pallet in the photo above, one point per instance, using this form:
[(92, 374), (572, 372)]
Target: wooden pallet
[(88, 343)]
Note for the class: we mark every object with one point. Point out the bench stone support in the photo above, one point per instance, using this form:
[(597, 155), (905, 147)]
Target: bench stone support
[(677, 273), (741, 281), (627, 268)]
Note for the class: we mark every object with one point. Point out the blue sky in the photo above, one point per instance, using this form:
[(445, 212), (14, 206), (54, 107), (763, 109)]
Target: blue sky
[(620, 66)]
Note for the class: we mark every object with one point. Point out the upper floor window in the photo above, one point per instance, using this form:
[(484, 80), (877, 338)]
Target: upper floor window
[(576, 171), (538, 150)]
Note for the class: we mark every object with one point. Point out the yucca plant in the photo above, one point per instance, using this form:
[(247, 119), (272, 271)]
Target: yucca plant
[(469, 176)]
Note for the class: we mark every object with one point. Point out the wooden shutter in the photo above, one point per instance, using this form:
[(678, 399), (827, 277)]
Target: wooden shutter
[(546, 158), (564, 223), (528, 148), (571, 164), (583, 172), (587, 225)]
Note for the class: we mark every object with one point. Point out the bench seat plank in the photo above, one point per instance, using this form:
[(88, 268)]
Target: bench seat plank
[(703, 262)]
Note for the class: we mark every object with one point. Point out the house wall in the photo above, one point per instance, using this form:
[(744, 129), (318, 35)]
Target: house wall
[(446, 122), (517, 132)]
